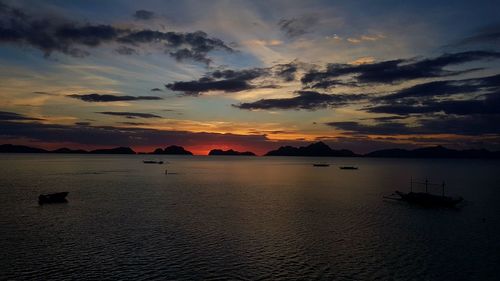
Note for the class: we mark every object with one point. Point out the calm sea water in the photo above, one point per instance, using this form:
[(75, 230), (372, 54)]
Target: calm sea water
[(244, 218)]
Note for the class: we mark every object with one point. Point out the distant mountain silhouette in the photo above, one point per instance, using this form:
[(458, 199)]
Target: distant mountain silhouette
[(69, 151), (314, 149), (10, 148), (215, 152), (172, 150), (434, 152), (394, 152), (117, 150)]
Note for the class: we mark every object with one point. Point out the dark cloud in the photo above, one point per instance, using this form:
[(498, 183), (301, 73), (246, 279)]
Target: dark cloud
[(487, 104), (131, 115), (219, 80), (110, 98), (388, 118), (295, 27), (187, 54), (229, 80), (196, 87), (88, 35), (82, 123), (486, 35), (143, 15), (457, 97), (477, 124), (12, 116), (446, 88), (124, 50), (326, 84), (156, 90), (384, 128), (286, 71), (52, 34), (309, 100), (194, 45), (431, 89), (472, 125), (244, 74), (399, 70)]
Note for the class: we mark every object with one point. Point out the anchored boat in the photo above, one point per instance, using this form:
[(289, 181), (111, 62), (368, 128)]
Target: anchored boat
[(348, 168), (152, 162), (50, 198), (426, 198), (321, 165)]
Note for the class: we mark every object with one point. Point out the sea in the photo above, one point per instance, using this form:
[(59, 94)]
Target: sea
[(245, 218)]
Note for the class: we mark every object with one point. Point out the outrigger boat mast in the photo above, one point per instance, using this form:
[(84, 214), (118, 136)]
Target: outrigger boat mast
[(427, 184)]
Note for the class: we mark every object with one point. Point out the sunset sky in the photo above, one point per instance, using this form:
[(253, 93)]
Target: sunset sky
[(250, 75)]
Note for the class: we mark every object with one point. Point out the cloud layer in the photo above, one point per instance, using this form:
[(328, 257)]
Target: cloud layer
[(51, 34), (309, 100), (399, 70), (111, 98), (130, 115)]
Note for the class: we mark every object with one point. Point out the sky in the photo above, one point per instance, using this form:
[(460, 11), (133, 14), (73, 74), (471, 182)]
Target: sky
[(250, 75)]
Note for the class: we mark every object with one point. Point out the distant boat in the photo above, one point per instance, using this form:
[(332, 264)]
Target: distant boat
[(152, 162), (348, 168), (59, 197), (321, 165), (426, 198)]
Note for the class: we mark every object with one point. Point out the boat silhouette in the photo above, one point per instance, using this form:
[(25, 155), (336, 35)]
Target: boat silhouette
[(426, 198), (152, 162), (321, 165), (348, 168), (59, 197)]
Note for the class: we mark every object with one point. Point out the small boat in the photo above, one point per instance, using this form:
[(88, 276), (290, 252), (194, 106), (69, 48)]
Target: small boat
[(426, 198), (348, 168), (59, 197), (321, 165), (152, 162)]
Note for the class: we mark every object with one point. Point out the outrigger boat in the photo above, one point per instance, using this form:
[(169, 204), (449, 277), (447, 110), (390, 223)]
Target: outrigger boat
[(152, 162), (59, 197), (348, 168), (321, 165), (426, 198)]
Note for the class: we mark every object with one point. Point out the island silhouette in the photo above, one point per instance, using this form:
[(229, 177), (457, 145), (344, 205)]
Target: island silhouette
[(10, 148), (172, 150), (315, 149), (318, 149), (230, 152)]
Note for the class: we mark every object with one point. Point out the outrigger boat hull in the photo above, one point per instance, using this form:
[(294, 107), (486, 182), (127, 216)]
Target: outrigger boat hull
[(59, 197), (427, 199)]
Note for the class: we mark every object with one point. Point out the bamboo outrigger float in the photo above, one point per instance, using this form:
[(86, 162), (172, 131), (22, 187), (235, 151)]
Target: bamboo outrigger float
[(426, 198)]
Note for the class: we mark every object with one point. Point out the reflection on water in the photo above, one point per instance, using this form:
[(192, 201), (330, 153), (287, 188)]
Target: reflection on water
[(252, 218)]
